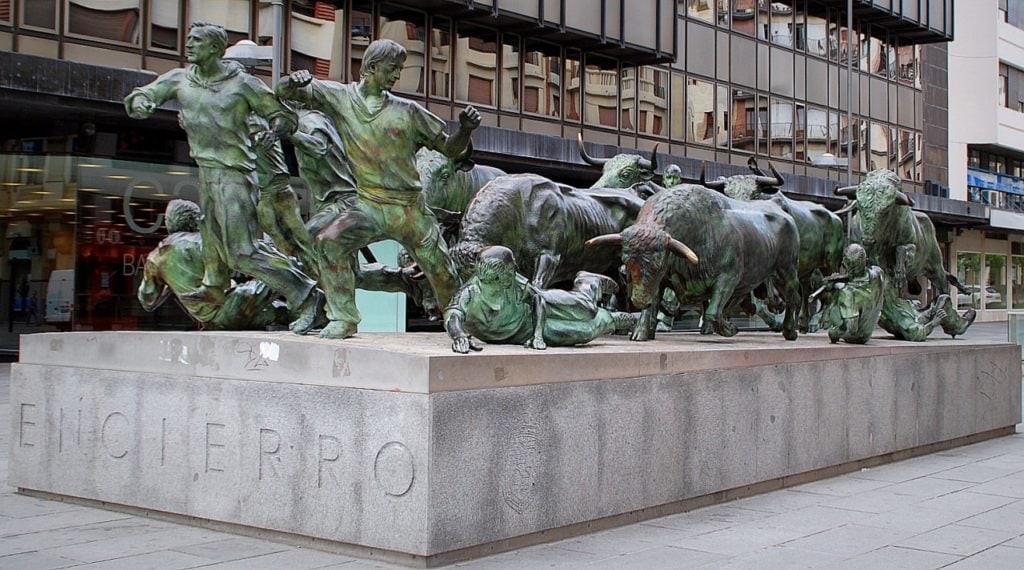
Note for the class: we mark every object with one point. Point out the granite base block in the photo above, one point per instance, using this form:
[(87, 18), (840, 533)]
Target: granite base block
[(392, 444)]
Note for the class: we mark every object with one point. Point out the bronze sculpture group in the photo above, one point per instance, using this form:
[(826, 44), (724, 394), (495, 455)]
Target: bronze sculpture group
[(531, 261)]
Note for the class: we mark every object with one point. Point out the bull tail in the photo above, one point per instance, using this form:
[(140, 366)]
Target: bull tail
[(952, 280)]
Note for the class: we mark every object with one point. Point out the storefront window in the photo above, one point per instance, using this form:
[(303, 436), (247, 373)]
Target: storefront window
[(409, 30), (116, 21), (440, 58), (75, 233), (542, 80), (476, 66), (39, 14), (234, 15), (601, 98), (164, 25), (1018, 281), (968, 271), (994, 294), (700, 112)]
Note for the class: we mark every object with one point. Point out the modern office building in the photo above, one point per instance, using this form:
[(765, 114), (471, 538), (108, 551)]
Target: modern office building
[(986, 148), (704, 81)]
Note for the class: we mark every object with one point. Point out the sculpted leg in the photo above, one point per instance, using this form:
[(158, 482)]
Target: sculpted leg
[(421, 237), (335, 248)]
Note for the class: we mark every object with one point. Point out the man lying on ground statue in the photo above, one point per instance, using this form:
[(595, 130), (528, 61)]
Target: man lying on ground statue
[(176, 267), (857, 297), (500, 306), (381, 134), (216, 98), (906, 321)]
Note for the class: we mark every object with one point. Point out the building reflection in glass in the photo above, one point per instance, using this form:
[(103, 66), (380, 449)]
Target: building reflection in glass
[(700, 111)]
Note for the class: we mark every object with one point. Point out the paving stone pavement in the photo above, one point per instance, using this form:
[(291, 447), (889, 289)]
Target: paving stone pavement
[(960, 509)]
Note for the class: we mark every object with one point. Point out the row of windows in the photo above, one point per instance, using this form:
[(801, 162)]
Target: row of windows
[(802, 118), (790, 25)]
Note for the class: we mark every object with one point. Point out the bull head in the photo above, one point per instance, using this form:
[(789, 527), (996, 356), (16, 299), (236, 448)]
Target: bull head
[(644, 254), (877, 200), (622, 170), (675, 246)]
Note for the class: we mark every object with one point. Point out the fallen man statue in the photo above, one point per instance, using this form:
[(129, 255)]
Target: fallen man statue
[(498, 305)]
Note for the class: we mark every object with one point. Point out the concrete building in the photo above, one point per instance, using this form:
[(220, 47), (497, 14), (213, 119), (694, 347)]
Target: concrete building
[(986, 149), (708, 81)]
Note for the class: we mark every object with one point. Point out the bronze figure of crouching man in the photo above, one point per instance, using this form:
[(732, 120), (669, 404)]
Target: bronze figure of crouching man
[(381, 134), (216, 98)]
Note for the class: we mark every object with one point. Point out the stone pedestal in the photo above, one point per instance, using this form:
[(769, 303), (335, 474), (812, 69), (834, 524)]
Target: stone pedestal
[(390, 445)]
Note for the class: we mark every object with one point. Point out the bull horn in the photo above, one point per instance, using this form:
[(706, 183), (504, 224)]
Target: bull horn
[(752, 165), (904, 200), (607, 239), (846, 191), (586, 157), (651, 164), (773, 182), (849, 207), (718, 185), (679, 248)]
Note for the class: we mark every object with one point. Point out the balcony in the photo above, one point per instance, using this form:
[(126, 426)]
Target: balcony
[(911, 21), (995, 189)]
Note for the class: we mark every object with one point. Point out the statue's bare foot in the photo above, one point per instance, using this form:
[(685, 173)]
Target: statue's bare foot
[(338, 330), (308, 312)]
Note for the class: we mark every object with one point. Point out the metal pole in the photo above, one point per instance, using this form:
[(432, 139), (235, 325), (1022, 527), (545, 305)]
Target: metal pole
[(275, 66), (849, 111), (849, 93)]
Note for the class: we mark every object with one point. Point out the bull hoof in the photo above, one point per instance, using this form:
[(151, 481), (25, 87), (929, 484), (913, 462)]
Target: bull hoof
[(725, 328), (789, 334), (707, 328), (338, 330), (641, 335)]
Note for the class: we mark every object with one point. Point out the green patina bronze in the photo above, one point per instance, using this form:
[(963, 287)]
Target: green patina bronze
[(821, 232), (176, 267), (324, 168), (856, 302), (500, 306), (278, 207), (380, 134), (905, 320), (673, 176), (216, 99), (735, 249), (902, 242)]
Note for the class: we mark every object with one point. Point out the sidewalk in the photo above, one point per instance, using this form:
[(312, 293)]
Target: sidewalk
[(961, 508)]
